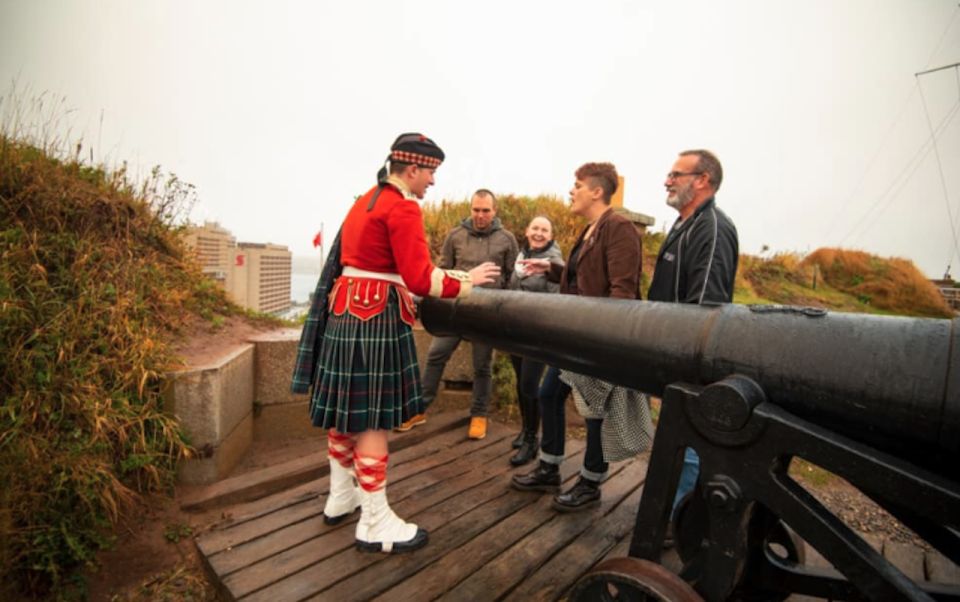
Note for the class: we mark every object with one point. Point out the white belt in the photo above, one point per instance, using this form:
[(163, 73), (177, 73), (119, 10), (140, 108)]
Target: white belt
[(353, 272)]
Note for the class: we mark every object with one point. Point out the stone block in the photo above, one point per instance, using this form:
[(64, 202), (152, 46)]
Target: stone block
[(281, 421), (214, 404), (276, 352), (215, 462), (211, 400)]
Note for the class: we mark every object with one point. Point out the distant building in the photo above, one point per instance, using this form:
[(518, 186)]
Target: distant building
[(214, 246), (254, 275), (948, 289), (262, 277)]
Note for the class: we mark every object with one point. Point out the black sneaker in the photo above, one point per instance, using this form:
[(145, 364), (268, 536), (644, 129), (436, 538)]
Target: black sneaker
[(583, 495), (546, 477)]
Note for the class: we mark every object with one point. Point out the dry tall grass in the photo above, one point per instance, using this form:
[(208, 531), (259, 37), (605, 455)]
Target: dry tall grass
[(842, 280), (892, 284), (93, 281)]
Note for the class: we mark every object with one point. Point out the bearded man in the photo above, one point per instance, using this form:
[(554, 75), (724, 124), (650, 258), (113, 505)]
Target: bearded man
[(698, 260)]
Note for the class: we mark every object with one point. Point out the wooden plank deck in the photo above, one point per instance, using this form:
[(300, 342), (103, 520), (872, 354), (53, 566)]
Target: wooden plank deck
[(487, 541)]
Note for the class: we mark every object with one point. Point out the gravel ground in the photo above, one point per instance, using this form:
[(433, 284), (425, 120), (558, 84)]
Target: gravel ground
[(861, 513)]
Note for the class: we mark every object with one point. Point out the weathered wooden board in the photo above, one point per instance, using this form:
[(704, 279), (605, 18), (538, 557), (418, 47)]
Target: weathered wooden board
[(487, 541)]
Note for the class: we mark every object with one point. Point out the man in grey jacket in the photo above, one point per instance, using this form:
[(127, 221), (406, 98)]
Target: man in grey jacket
[(697, 262), (477, 239)]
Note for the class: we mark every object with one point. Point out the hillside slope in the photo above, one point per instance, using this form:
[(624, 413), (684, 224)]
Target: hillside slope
[(93, 286)]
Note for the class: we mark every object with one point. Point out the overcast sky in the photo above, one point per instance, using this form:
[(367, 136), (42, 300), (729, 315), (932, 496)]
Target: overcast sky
[(281, 112)]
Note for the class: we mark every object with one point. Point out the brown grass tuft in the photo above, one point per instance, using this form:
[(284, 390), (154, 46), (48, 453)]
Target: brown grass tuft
[(891, 284)]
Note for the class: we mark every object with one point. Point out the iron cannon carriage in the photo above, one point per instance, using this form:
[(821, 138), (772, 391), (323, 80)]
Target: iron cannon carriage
[(873, 399)]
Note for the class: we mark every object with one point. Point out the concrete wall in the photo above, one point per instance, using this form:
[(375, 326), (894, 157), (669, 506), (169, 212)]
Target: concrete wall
[(280, 414), (245, 396), (214, 404)]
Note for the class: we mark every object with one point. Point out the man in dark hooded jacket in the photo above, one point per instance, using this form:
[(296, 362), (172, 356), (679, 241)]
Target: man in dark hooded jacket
[(697, 262), (478, 239)]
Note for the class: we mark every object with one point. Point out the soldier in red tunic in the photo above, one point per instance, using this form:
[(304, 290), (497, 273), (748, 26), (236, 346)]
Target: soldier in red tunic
[(364, 371)]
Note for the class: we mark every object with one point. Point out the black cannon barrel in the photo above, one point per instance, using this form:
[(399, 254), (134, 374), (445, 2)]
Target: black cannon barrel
[(892, 382)]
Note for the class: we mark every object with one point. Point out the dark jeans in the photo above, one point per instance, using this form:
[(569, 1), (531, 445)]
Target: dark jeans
[(553, 397), (528, 373), (688, 476), (441, 348)]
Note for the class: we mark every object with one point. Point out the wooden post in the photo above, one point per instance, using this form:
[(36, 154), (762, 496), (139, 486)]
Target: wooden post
[(617, 199)]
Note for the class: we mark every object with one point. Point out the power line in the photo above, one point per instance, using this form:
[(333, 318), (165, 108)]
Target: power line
[(883, 202), (943, 179), (886, 137), (926, 149), (903, 177), (863, 177)]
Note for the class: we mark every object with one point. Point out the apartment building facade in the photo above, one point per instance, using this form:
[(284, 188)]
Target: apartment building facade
[(254, 275)]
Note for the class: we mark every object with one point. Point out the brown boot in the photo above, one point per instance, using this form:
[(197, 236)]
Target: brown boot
[(478, 427)]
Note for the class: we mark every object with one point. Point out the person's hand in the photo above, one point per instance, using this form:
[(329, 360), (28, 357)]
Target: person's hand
[(535, 266), (485, 273)]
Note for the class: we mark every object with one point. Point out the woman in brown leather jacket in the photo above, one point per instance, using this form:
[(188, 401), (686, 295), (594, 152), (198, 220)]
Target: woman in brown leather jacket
[(604, 262)]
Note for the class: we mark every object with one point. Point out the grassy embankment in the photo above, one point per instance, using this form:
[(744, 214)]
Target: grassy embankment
[(94, 284)]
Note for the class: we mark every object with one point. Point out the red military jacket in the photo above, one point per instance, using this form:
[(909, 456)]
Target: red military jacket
[(390, 239)]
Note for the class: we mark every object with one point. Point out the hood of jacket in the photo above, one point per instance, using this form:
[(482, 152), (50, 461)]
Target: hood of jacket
[(467, 224), (527, 251)]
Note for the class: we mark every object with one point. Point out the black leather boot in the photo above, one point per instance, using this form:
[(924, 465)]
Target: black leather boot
[(583, 495), (521, 403), (528, 449), (530, 421), (546, 477)]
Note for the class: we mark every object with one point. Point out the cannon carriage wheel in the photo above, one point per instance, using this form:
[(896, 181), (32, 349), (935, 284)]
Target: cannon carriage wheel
[(634, 580), (770, 539), (692, 523)]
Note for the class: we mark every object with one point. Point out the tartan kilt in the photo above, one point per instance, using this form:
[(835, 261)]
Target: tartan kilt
[(367, 373)]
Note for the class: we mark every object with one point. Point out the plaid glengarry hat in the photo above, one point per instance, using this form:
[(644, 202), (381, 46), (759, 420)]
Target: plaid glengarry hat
[(417, 149)]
